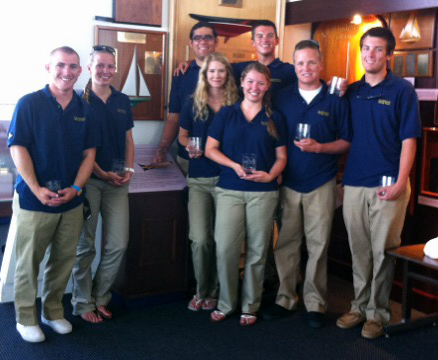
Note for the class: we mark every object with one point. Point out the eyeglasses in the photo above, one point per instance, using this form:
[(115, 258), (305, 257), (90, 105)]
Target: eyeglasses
[(104, 48), (202, 37)]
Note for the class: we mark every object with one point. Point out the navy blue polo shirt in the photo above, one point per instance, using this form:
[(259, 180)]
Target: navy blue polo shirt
[(282, 74), (198, 167), (183, 86), (238, 136), (328, 117), (382, 117), (55, 139), (115, 119)]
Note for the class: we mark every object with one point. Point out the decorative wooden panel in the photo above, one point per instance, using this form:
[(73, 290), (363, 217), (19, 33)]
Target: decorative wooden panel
[(333, 38), (146, 12), (141, 43)]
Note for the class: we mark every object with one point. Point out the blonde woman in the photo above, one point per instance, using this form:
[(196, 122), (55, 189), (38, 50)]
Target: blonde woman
[(215, 88), (246, 195), (106, 191)]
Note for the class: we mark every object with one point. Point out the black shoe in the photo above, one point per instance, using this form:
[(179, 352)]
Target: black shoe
[(276, 312), (315, 319)]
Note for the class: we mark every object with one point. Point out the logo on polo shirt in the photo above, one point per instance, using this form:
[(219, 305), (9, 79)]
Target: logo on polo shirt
[(79, 118), (275, 80), (121, 111), (323, 113), (264, 123), (384, 102)]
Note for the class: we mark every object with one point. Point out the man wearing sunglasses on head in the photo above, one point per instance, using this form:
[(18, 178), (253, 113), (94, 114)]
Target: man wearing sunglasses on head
[(203, 41)]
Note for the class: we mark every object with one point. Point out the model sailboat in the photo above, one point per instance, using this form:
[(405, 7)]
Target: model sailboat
[(135, 85), (411, 31)]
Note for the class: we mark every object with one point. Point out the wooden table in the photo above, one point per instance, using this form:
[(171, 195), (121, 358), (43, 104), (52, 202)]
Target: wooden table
[(410, 255)]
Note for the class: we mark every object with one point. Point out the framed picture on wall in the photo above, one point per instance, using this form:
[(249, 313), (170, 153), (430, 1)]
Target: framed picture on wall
[(141, 69), (413, 29), (412, 63)]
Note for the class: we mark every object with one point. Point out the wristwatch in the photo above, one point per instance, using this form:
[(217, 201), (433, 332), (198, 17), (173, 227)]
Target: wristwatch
[(129, 169), (78, 189)]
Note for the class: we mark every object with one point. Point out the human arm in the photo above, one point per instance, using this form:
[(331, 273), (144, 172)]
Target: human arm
[(276, 169), (170, 131), (84, 172), (339, 146), (212, 151), (183, 138), (129, 157), (407, 156), (181, 68), (23, 162)]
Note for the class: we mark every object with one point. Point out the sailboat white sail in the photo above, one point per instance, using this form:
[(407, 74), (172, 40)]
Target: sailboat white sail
[(134, 75), (143, 91), (411, 31)]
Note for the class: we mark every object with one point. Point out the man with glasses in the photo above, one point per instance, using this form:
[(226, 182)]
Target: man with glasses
[(52, 139), (203, 41), (308, 193), (385, 122)]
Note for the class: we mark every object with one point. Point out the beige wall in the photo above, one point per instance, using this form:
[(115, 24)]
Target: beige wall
[(292, 35)]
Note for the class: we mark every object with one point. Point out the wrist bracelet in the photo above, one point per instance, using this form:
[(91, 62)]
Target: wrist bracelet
[(129, 169), (78, 189)]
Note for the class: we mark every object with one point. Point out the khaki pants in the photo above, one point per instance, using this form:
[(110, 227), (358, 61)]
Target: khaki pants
[(36, 232), (240, 214), (112, 203), (373, 226), (309, 214), (201, 218)]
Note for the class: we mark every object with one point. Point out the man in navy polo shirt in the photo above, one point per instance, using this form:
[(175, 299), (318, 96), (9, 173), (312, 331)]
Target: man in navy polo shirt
[(309, 183), (264, 39), (203, 41), (385, 121), (52, 143)]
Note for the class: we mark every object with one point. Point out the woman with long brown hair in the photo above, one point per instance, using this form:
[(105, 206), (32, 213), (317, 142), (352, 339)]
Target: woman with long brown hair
[(247, 140)]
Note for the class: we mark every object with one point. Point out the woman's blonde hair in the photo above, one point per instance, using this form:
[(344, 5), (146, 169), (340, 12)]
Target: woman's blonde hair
[(266, 101), (200, 96)]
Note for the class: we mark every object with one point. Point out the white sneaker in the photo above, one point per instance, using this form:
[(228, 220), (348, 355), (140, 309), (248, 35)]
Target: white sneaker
[(61, 326), (31, 333)]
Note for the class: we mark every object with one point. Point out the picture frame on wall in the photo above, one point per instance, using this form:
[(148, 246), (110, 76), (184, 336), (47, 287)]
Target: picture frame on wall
[(412, 63), (141, 69), (413, 29)]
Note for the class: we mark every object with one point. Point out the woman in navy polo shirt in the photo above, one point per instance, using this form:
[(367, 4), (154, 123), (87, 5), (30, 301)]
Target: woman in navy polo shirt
[(246, 196), (215, 88), (106, 191)]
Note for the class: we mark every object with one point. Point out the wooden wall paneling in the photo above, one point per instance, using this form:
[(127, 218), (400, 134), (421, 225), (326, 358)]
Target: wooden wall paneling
[(146, 12), (333, 37), (155, 41), (315, 10)]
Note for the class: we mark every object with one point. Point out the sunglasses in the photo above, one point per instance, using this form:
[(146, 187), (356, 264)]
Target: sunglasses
[(104, 48), (202, 37)]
